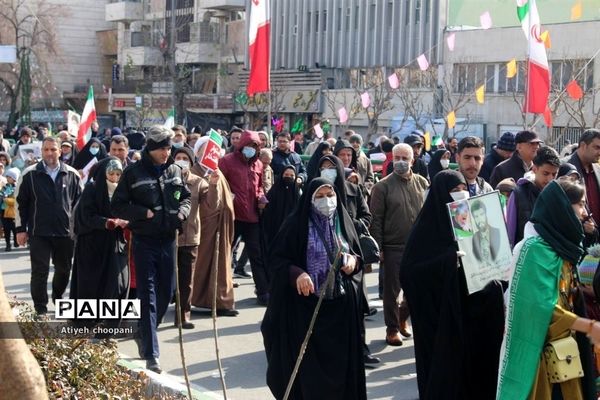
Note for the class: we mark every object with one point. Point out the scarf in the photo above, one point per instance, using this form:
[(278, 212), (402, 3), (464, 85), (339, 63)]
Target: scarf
[(111, 188), (556, 222), (317, 258)]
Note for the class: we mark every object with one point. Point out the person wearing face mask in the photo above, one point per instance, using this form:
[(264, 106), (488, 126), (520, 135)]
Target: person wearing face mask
[(68, 152), (100, 262), (309, 240), (216, 217), (448, 323), (395, 203), (93, 148), (439, 162), (243, 170), (189, 238)]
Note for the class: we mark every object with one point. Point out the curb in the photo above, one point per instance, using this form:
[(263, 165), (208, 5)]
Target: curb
[(165, 383)]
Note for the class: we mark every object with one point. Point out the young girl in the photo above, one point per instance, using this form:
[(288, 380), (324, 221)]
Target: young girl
[(8, 206)]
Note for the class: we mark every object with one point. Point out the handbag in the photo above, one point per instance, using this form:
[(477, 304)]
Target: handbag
[(562, 360), (370, 249)]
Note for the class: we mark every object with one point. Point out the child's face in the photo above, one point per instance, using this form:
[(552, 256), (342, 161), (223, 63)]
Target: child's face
[(10, 180)]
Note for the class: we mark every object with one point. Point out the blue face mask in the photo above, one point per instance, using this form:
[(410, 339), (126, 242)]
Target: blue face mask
[(94, 150), (249, 152), (178, 145)]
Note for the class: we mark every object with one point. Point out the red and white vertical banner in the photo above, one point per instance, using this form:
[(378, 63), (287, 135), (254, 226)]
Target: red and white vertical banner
[(87, 117), (259, 48)]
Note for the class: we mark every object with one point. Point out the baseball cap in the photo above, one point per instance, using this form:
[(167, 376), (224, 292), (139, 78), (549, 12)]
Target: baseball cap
[(527, 137), (413, 140)]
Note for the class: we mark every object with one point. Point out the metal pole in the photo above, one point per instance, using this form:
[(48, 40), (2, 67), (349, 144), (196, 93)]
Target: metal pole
[(214, 282)]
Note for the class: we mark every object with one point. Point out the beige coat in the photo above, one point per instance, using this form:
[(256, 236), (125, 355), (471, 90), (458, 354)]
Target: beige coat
[(216, 215), (395, 204), (190, 235)]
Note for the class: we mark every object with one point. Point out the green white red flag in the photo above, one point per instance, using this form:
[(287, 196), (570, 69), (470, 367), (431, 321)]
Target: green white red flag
[(538, 76), (87, 117), (212, 152), (259, 47)]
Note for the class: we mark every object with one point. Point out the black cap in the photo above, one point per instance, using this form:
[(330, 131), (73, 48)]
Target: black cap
[(413, 140), (527, 137)]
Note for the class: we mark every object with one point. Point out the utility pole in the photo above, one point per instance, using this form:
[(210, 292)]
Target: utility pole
[(173, 45)]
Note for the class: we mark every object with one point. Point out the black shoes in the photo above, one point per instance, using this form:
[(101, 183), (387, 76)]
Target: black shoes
[(228, 313), (371, 311), (241, 273), (186, 325), (371, 361), (153, 365)]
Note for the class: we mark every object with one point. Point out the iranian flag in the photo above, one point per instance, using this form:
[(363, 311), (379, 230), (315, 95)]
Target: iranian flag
[(89, 115), (259, 47), (538, 76), (170, 121)]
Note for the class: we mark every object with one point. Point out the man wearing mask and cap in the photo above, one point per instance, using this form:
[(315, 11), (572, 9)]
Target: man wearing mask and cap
[(395, 203), (243, 170), (521, 161), (153, 197), (503, 150), (415, 141)]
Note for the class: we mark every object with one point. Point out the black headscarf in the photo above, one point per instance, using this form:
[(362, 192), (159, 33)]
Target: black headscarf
[(84, 157), (434, 165), (554, 219), (312, 168), (283, 199), (567, 169), (341, 176)]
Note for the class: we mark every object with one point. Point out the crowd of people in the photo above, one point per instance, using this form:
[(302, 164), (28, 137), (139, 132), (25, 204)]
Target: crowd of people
[(118, 220)]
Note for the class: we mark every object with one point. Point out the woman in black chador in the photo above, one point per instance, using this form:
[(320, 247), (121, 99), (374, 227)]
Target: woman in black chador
[(457, 336), (100, 263), (332, 367), (283, 198)]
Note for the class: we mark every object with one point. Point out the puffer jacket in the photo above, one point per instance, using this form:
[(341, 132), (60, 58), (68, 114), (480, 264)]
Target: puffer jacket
[(143, 187), (244, 178)]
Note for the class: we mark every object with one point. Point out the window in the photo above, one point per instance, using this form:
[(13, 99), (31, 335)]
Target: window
[(316, 21), (564, 71), (417, 11), (372, 12), (490, 78), (324, 28), (338, 19)]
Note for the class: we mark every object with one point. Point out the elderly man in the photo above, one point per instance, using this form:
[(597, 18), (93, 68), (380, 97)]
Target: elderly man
[(365, 168), (503, 150), (470, 159), (395, 203), (119, 147), (521, 161)]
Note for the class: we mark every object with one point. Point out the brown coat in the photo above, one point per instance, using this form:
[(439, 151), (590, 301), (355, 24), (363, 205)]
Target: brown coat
[(190, 235), (216, 215)]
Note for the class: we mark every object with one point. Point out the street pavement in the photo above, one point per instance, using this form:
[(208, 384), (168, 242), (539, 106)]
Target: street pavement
[(240, 343)]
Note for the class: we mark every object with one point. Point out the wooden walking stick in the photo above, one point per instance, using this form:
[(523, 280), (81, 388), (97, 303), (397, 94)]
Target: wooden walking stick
[(178, 318), (215, 275)]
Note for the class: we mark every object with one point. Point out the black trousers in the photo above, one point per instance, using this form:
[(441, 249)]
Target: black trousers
[(250, 234), (186, 260), (41, 250), (8, 226)]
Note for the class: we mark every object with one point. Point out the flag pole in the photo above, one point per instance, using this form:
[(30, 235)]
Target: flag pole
[(527, 87)]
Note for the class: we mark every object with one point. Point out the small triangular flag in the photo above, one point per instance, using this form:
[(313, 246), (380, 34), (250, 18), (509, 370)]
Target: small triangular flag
[(545, 36), (486, 20), (318, 131), (450, 41), (393, 80), (548, 117), (480, 94), (365, 99), (451, 117), (423, 63), (511, 68), (427, 139), (574, 90), (343, 115), (576, 11)]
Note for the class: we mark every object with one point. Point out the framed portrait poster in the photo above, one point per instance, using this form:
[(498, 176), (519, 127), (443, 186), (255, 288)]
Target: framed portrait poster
[(480, 231)]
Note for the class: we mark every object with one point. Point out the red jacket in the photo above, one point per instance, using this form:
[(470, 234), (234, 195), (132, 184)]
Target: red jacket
[(245, 179)]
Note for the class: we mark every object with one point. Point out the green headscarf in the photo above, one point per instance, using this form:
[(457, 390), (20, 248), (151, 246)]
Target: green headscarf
[(556, 222)]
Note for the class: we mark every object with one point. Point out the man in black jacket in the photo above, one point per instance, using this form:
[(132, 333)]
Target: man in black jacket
[(585, 159), (503, 150), (153, 197), (521, 161), (46, 196)]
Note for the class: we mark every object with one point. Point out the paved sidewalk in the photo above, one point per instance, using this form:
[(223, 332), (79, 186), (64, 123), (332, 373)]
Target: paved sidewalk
[(240, 344)]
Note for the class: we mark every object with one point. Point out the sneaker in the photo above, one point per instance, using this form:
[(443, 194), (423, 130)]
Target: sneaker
[(241, 273), (153, 365)]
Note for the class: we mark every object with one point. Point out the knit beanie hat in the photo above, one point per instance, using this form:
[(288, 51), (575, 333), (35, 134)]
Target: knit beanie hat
[(158, 137)]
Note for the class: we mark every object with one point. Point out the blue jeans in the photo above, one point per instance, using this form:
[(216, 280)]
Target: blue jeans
[(155, 280)]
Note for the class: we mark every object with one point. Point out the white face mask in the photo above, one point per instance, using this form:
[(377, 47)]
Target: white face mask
[(445, 163), (184, 164), (326, 205), (329, 173), (460, 195)]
